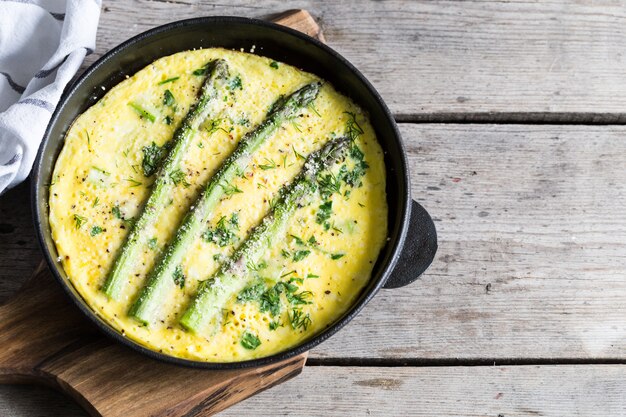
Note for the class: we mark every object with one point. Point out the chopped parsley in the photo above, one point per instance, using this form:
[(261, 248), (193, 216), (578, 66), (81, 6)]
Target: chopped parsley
[(324, 213), (224, 233), (179, 277), (270, 300), (336, 256), (250, 341), (215, 124), (168, 98), (152, 243), (300, 255), (235, 84), (168, 120), (274, 64), (251, 293), (274, 325), (116, 212), (201, 71), (153, 154), (353, 177), (95, 230), (329, 184)]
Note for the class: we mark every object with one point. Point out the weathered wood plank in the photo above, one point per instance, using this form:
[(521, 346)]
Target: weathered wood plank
[(532, 255), (449, 60), (532, 249), (590, 391)]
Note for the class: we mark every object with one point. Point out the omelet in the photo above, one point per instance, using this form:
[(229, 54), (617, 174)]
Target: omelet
[(303, 282)]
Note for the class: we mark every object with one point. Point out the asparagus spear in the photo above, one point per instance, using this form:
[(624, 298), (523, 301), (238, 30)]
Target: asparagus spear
[(207, 103), (160, 280), (216, 291)]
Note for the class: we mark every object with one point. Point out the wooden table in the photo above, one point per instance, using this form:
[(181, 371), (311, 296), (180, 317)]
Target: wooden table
[(513, 115)]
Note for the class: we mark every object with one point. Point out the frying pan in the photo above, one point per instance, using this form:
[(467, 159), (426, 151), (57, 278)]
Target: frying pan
[(412, 239)]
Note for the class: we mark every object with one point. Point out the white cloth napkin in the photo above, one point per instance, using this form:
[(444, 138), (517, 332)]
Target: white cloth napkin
[(42, 45)]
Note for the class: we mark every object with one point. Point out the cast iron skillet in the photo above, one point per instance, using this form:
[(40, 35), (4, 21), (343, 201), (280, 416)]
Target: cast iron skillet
[(412, 237)]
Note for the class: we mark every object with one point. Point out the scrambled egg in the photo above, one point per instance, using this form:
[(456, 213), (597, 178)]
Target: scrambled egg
[(326, 255)]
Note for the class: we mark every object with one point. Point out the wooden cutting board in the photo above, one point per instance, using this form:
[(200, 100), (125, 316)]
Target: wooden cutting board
[(46, 339)]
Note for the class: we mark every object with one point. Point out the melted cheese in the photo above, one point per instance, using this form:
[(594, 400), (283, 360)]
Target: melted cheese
[(98, 177)]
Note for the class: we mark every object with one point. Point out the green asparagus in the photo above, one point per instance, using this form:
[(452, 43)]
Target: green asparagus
[(213, 293), (208, 102), (160, 280)]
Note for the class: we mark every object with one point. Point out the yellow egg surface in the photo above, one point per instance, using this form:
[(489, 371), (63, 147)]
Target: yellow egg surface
[(323, 258)]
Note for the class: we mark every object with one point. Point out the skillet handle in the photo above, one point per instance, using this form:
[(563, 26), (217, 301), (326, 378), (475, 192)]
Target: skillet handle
[(419, 249)]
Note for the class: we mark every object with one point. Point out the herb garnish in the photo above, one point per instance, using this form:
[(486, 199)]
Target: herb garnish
[(133, 181), (324, 213), (223, 233), (230, 189), (270, 300), (178, 177), (299, 319), (169, 80), (270, 165), (201, 71), (179, 277), (153, 154), (298, 155), (143, 113), (152, 243), (274, 64), (353, 129), (235, 84), (79, 220), (329, 184), (250, 341), (274, 325), (215, 125), (299, 298), (116, 212), (251, 293), (168, 98), (300, 255), (95, 230), (336, 256)]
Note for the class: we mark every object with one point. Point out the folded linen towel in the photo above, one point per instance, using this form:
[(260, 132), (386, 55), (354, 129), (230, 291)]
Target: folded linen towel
[(42, 45)]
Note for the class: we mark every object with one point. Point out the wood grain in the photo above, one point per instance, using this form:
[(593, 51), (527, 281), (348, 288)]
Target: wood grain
[(555, 391), (46, 339), (449, 60), (532, 252), (532, 249), (520, 391)]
